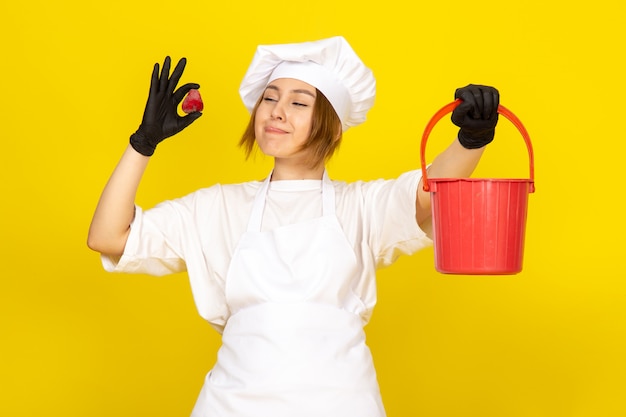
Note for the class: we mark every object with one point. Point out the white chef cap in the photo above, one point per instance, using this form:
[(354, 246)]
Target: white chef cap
[(330, 65)]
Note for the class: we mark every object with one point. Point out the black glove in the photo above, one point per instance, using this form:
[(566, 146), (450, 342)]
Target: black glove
[(160, 118), (477, 115)]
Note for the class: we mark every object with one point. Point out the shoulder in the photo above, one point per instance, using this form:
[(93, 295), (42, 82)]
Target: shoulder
[(210, 200), (407, 180), (235, 191)]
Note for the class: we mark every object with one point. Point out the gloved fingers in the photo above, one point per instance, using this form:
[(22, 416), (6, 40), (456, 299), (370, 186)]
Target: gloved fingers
[(487, 101), (459, 113), (183, 90), (185, 121), (165, 73), (176, 74), (479, 101), (477, 124), (154, 81), (477, 109), (491, 100), (472, 100)]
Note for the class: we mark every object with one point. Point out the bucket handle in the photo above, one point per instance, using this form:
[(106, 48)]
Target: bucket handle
[(501, 110)]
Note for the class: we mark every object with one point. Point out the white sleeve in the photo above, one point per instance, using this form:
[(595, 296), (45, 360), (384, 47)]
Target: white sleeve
[(195, 233), (154, 245), (390, 207)]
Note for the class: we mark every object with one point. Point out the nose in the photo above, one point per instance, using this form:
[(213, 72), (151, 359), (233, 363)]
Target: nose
[(278, 112)]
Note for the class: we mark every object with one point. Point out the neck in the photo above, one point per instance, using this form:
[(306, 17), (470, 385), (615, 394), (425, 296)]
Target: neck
[(283, 171)]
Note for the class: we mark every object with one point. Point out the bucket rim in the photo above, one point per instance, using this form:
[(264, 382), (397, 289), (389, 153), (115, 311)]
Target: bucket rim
[(444, 179)]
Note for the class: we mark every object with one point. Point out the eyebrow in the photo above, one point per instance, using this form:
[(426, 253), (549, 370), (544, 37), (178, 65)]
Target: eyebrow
[(298, 90)]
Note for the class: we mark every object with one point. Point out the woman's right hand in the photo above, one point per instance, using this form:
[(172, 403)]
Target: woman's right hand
[(161, 119)]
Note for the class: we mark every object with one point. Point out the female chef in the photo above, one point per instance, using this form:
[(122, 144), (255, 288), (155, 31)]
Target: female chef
[(285, 267)]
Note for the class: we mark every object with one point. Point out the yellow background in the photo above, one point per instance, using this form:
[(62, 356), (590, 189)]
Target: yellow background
[(549, 341)]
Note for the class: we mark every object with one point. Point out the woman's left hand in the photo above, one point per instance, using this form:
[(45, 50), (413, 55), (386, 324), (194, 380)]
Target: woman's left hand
[(477, 115)]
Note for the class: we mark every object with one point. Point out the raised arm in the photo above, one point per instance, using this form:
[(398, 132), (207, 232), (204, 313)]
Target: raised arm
[(476, 117), (115, 211)]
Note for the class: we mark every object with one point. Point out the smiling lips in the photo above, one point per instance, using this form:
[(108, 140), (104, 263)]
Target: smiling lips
[(275, 130)]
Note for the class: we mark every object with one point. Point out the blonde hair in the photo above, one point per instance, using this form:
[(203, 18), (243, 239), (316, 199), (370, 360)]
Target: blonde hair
[(325, 137)]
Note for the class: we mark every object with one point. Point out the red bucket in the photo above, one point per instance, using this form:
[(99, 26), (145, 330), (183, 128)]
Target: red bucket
[(478, 224)]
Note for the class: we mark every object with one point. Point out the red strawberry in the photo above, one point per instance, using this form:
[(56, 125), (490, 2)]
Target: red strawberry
[(193, 102)]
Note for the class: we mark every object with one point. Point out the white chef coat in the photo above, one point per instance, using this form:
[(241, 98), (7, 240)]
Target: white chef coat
[(295, 340), (198, 233)]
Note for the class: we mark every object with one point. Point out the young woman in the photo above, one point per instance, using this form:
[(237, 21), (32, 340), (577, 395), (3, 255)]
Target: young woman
[(284, 268)]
